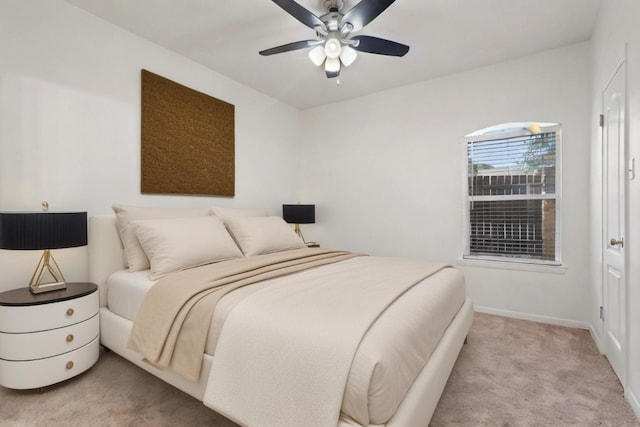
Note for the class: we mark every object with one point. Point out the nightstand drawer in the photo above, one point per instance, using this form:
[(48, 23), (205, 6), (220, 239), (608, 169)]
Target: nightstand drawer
[(38, 345), (43, 372), (16, 319)]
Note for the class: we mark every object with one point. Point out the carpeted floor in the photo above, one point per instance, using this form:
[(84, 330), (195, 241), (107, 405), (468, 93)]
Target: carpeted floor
[(510, 373), (519, 373)]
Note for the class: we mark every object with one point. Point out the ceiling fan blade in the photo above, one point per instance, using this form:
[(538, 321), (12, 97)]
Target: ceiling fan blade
[(288, 47), (300, 13), (379, 46), (364, 12)]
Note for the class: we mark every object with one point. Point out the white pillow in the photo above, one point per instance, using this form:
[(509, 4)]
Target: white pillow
[(231, 213), (134, 256), (178, 243), (261, 235)]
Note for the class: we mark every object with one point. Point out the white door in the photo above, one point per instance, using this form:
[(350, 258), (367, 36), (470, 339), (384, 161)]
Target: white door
[(614, 176)]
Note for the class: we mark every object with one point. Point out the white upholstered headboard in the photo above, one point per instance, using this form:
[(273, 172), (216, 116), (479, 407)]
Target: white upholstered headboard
[(105, 252)]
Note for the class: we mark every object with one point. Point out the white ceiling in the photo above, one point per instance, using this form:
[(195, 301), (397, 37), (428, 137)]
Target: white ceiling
[(445, 36)]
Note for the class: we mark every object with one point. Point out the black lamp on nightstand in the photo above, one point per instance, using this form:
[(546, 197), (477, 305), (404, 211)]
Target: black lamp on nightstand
[(299, 214), (43, 231)]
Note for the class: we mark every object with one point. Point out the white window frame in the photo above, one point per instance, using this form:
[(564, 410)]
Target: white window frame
[(505, 131)]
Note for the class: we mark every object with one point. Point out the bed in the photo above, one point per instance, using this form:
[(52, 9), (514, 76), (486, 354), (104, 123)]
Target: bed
[(371, 392)]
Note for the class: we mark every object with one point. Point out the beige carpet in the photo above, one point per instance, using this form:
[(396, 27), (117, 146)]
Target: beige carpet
[(510, 373), (518, 373)]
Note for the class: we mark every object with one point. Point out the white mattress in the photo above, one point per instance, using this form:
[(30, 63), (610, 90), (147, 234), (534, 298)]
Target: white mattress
[(126, 290)]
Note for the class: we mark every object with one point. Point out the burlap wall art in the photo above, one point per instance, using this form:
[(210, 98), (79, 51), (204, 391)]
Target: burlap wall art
[(187, 140)]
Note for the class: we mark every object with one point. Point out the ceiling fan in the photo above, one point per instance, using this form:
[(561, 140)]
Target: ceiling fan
[(335, 44)]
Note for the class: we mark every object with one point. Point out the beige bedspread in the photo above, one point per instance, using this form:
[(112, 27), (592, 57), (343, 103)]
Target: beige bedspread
[(168, 329), (384, 366), (284, 357)]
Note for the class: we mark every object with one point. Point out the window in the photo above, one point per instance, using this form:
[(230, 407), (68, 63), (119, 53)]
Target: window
[(512, 199)]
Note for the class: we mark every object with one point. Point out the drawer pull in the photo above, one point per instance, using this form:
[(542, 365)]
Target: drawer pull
[(69, 365), (70, 312), (69, 338)]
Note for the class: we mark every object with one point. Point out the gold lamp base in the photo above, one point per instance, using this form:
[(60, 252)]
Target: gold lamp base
[(47, 267), (299, 232)]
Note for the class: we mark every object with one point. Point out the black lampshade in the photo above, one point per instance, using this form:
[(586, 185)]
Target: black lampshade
[(299, 214), (42, 230)]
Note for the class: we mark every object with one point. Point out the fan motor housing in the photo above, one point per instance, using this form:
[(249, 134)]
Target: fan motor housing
[(334, 5), (332, 19)]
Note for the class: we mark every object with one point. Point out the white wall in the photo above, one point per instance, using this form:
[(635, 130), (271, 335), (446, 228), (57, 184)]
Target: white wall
[(617, 30), (70, 123), (385, 172)]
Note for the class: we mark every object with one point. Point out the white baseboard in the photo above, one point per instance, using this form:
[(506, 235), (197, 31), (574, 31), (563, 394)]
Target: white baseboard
[(633, 401), (537, 318), (545, 319), (596, 339)]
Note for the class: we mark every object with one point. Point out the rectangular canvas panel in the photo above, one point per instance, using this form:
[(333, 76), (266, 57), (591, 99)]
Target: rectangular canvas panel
[(187, 140)]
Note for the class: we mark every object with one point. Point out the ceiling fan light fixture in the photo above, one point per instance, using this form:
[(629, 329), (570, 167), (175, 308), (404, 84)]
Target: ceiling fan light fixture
[(348, 55), (335, 45), (317, 55), (332, 48), (332, 65)]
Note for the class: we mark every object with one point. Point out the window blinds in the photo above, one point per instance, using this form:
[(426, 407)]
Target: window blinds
[(511, 200)]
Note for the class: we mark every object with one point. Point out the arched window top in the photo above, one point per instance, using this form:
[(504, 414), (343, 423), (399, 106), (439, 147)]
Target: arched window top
[(513, 128)]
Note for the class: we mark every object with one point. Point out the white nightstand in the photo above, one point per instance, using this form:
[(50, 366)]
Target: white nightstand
[(48, 337)]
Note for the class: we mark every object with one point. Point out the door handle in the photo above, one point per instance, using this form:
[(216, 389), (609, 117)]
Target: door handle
[(615, 242)]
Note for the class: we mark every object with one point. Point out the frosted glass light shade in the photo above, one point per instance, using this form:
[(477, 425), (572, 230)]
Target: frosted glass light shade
[(317, 55), (332, 48), (332, 65), (348, 55)]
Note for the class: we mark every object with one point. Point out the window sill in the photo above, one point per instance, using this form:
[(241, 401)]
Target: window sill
[(513, 265)]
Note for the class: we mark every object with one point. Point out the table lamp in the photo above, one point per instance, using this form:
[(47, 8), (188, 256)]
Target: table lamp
[(43, 231), (299, 214)]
